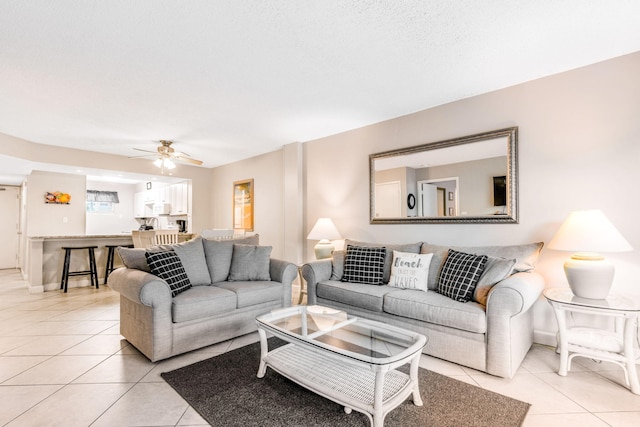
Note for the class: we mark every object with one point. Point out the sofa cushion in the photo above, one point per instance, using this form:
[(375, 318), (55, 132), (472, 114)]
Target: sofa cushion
[(495, 270), (167, 266), (525, 256), (191, 254), (201, 302), (409, 270), (250, 262), (409, 247), (218, 254), (337, 265), (364, 265), (460, 274), (134, 258), (355, 294), (438, 309), (254, 292)]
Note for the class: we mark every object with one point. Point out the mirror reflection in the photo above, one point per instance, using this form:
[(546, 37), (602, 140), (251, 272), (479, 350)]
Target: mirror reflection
[(467, 179)]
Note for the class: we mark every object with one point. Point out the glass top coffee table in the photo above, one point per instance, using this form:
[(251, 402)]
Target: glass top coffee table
[(348, 360)]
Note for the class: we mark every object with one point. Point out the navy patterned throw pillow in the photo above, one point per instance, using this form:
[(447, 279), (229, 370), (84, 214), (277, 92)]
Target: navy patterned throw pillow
[(460, 274), (364, 265), (167, 266)]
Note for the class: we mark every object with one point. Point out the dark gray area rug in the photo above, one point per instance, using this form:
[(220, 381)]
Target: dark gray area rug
[(225, 391)]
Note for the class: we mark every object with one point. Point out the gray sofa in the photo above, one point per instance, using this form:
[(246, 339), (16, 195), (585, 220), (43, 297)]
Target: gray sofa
[(230, 282), (492, 332)]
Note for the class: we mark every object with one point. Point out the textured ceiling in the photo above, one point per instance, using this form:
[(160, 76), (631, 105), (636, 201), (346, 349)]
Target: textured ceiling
[(232, 79)]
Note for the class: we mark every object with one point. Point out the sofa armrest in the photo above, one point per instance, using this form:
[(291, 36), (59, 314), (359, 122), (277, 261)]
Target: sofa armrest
[(140, 287), (515, 294), (284, 272), (314, 272), (510, 322)]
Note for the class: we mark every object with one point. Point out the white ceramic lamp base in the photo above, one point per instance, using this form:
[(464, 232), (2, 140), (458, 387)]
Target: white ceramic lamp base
[(324, 249), (589, 276)]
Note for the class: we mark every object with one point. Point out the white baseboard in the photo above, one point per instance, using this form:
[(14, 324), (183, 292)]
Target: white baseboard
[(35, 289), (545, 338)]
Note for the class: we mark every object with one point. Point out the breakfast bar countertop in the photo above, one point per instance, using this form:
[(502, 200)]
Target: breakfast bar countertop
[(84, 236)]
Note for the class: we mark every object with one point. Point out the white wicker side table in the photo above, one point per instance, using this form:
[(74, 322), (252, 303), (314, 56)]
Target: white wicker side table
[(595, 343)]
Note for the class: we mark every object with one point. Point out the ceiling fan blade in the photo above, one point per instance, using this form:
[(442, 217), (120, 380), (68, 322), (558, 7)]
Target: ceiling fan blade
[(146, 151), (188, 160), (140, 157)]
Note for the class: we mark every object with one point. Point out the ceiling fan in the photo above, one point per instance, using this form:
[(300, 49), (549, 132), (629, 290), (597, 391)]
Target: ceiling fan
[(166, 154)]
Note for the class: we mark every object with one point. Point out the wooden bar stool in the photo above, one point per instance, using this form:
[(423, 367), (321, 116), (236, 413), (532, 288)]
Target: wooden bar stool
[(93, 271), (111, 255)]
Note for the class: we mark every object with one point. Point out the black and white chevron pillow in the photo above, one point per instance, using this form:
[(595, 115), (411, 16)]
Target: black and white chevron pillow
[(167, 266)]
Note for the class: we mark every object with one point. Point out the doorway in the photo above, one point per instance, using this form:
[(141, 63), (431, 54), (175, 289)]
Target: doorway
[(388, 202), (438, 197), (9, 226)]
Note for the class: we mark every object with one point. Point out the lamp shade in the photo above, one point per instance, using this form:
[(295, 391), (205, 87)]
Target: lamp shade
[(588, 231), (324, 229)]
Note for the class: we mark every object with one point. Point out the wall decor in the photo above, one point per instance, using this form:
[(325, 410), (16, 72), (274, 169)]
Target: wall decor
[(411, 201), (452, 180), (57, 197), (243, 205)]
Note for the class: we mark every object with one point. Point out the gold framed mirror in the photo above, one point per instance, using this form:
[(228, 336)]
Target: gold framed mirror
[(471, 179)]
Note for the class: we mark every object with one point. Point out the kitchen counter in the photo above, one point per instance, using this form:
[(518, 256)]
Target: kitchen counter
[(45, 257), (86, 236)]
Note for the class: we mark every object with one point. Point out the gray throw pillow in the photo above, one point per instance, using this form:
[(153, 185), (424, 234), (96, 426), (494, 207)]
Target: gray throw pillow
[(191, 254), (134, 258), (460, 274), (495, 270), (337, 265), (388, 258), (218, 254), (250, 262)]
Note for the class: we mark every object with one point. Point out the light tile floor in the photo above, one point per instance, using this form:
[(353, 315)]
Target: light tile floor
[(63, 362)]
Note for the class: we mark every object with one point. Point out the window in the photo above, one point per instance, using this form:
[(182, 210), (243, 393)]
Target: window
[(101, 201)]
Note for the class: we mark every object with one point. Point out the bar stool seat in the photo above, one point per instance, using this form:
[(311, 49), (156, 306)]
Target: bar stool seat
[(93, 271), (111, 258)]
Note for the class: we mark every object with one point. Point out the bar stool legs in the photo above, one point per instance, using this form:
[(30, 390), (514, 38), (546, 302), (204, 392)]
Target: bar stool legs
[(110, 259), (93, 271)]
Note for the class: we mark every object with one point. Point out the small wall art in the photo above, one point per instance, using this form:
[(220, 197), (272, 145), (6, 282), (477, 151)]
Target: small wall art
[(57, 197), (243, 205)]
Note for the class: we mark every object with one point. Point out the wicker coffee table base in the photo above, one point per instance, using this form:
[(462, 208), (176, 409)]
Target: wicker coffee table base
[(374, 390)]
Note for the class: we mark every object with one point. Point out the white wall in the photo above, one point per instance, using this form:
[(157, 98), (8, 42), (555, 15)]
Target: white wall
[(267, 174), (579, 144), (121, 220), (55, 219), (11, 146)]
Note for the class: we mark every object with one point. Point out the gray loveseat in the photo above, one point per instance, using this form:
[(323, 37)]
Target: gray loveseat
[(492, 332), (231, 282)]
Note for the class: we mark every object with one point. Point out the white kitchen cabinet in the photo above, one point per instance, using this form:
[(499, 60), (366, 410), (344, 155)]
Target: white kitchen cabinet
[(138, 205), (143, 202), (180, 198)]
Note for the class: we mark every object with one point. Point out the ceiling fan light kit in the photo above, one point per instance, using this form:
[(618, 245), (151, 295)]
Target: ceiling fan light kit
[(166, 156)]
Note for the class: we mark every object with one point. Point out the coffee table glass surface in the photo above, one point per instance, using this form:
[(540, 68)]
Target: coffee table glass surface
[(336, 331)]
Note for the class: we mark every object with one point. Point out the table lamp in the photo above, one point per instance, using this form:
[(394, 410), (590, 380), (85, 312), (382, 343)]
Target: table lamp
[(324, 231), (588, 233)]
